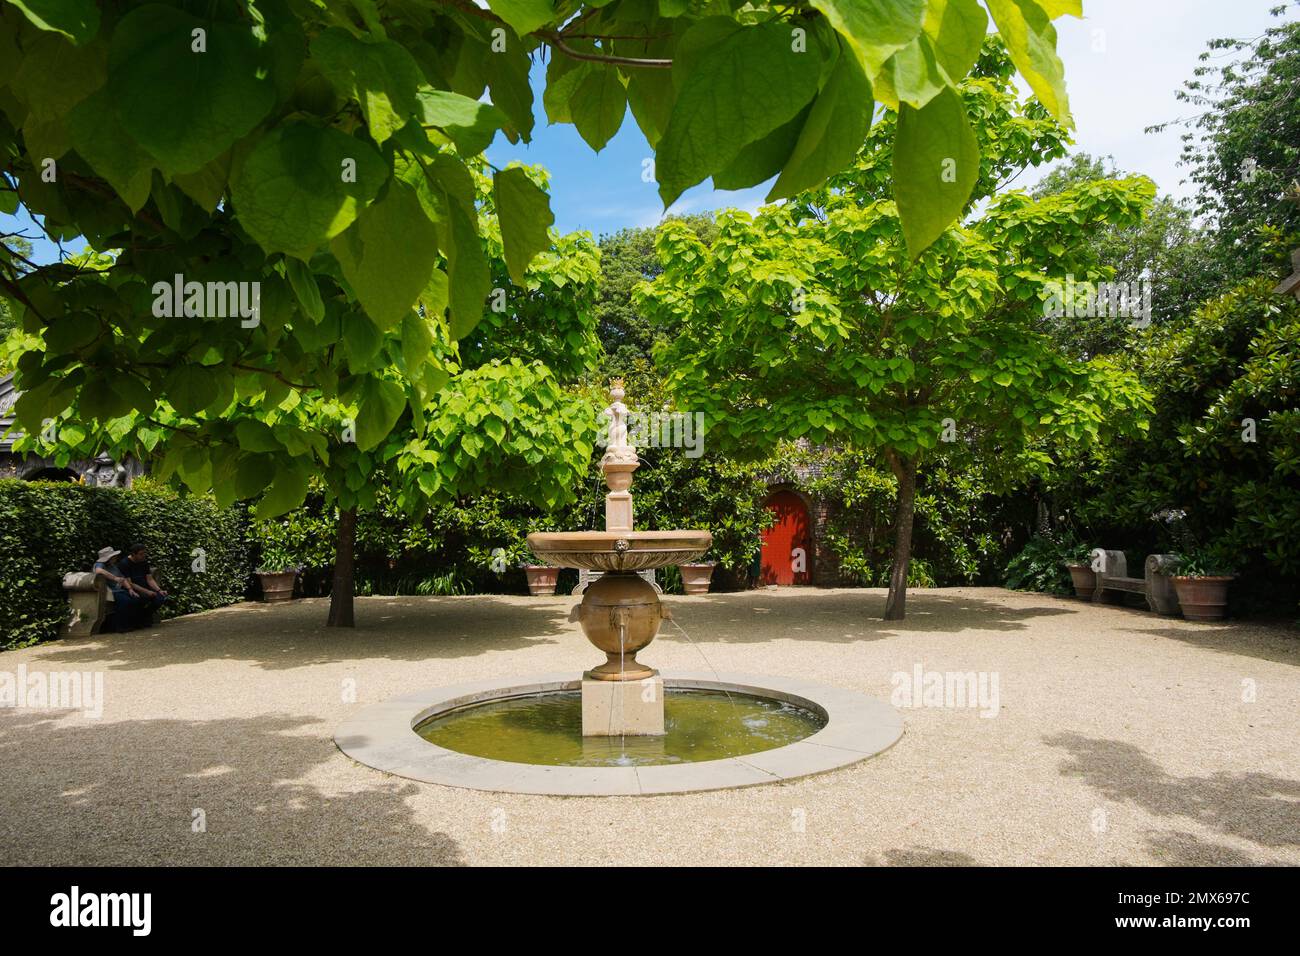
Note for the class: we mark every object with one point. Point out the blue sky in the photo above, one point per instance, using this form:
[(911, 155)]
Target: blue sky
[(1124, 61)]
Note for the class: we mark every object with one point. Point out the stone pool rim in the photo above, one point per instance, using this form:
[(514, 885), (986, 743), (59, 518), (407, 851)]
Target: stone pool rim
[(382, 736)]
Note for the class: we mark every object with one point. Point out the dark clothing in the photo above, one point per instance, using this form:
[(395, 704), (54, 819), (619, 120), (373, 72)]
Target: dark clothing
[(135, 610), (137, 571)]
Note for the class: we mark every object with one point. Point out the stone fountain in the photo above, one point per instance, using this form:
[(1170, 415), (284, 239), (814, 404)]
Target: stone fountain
[(620, 612)]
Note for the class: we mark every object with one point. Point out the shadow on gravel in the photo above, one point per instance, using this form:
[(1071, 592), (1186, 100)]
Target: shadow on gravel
[(1258, 807), (840, 617), (292, 635), (113, 794), (923, 856), (1277, 643)]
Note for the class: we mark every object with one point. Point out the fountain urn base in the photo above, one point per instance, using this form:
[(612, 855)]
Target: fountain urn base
[(620, 613)]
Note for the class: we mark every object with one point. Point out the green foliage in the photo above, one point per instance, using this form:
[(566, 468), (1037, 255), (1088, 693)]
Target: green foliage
[(961, 521), (1233, 359), (48, 530), (1165, 248), (1242, 146), (327, 155), (1213, 561), (813, 320), (1042, 564), (627, 258)]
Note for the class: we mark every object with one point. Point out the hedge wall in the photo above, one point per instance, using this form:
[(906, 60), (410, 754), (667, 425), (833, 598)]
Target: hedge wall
[(48, 529)]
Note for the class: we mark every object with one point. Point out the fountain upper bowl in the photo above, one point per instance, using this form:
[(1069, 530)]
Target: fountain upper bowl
[(618, 550)]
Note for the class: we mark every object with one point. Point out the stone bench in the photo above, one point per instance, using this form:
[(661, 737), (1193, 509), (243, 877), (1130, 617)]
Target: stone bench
[(1156, 585), (87, 603)]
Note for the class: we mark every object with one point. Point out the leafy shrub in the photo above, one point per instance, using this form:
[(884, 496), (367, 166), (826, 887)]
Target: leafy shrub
[(1212, 561), (1223, 449), (960, 523), (198, 551), (1041, 565)]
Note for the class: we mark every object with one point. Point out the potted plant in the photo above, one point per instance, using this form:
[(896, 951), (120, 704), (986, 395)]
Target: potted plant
[(278, 572), (542, 578), (1201, 579), (696, 576), (1078, 561)]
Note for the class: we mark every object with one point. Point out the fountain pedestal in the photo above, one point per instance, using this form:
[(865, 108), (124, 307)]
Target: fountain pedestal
[(616, 708), (620, 613)]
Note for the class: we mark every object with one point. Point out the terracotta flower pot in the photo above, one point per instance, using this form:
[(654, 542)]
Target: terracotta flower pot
[(1084, 578), (277, 586), (1203, 598), (542, 579), (696, 577)]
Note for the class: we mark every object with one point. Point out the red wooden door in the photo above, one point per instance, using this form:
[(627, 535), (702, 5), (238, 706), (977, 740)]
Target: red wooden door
[(785, 544)]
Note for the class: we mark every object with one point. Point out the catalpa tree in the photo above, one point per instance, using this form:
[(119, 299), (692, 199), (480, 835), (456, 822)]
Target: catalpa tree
[(812, 320), (488, 419), (298, 173)]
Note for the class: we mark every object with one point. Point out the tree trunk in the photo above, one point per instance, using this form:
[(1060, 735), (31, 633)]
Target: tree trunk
[(344, 560), (904, 510)]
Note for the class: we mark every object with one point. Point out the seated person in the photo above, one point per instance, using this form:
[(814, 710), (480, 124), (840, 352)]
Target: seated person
[(145, 594), (119, 589)]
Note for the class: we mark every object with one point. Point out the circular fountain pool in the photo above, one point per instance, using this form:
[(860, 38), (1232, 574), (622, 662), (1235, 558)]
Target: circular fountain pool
[(547, 729), (522, 735)]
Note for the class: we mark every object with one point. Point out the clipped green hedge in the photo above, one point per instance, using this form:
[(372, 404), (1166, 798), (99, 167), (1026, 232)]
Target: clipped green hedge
[(48, 529)]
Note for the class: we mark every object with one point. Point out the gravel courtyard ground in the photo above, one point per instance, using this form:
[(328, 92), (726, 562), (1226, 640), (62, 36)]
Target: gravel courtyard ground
[(1120, 738)]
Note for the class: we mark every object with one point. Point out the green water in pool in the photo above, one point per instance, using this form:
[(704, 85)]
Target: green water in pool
[(547, 729)]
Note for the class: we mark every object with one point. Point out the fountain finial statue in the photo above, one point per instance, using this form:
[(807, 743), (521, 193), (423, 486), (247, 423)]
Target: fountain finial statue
[(618, 450)]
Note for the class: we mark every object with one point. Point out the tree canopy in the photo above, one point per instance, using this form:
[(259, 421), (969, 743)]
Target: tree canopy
[(325, 153), (813, 320)]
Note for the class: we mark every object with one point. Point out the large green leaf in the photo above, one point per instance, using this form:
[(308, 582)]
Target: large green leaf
[(190, 388), (956, 29), (598, 106), (762, 159), (100, 140), (564, 75), (253, 475), (379, 405), (52, 76), (875, 29), (254, 435), (303, 185), (378, 74), (417, 342), (936, 163), (388, 254), (912, 76), (186, 108), (833, 133), (362, 340), (508, 82), (524, 212), (288, 490), (470, 123), (524, 16), (469, 277), (305, 288), (78, 20), (1031, 41), (736, 91)]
